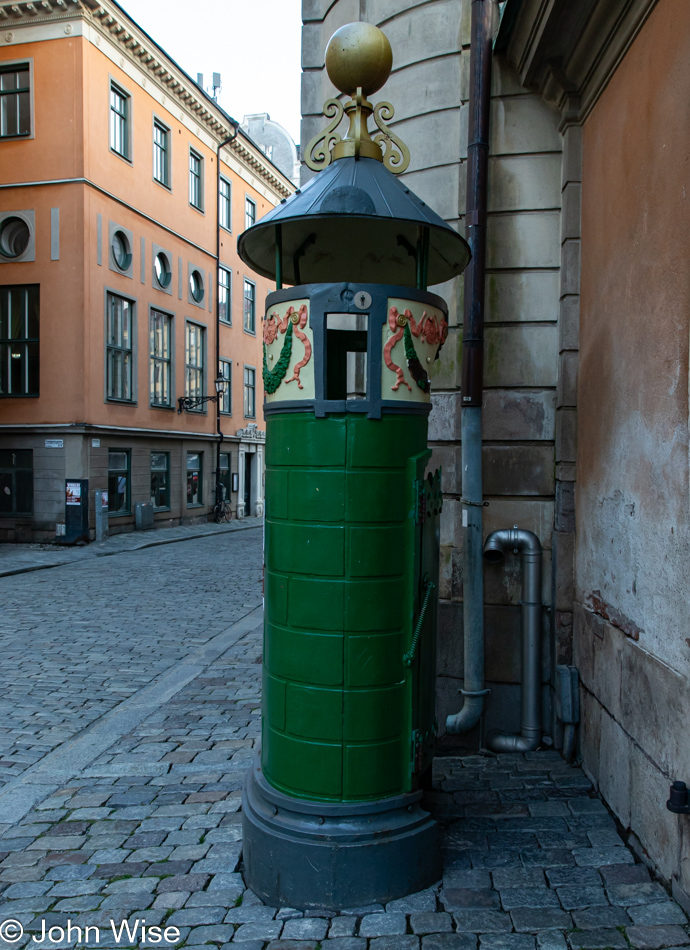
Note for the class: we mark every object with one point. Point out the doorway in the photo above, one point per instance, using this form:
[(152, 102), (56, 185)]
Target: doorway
[(248, 484)]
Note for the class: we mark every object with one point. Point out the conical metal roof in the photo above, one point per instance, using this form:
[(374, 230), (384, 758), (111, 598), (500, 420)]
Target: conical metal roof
[(353, 221)]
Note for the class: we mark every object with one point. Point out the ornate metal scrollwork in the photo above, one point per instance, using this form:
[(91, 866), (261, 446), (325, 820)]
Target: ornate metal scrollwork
[(396, 156), (318, 151)]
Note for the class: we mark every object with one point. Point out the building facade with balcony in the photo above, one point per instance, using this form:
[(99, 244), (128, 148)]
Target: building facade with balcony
[(123, 188)]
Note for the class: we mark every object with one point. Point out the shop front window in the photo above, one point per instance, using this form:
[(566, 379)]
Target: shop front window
[(160, 479), (194, 480), (119, 481)]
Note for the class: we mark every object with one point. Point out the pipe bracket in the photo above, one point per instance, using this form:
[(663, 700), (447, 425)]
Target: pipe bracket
[(474, 692)]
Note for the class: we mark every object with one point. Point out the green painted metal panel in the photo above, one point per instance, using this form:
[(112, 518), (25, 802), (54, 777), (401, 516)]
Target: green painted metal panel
[(277, 493), (377, 496), (374, 605), (318, 445), (342, 564), (276, 586), (316, 604), (306, 768), (374, 770), (316, 495), (376, 551), (314, 713), (373, 659), (374, 713), (274, 699), (304, 657), (368, 447), (306, 549)]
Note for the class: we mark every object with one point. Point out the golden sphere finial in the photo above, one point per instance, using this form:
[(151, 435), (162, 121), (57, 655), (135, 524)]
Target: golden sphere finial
[(359, 54)]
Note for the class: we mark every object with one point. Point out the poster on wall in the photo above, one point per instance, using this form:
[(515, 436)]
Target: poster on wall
[(73, 493)]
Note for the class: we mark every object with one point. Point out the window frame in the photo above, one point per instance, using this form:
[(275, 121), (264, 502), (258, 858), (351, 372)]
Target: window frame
[(249, 216), (252, 370), (226, 399), (114, 85), (111, 292), (13, 470), (227, 320), (8, 343), (10, 66), (168, 361), (193, 367), (165, 507), (160, 124), (250, 283), (225, 201), (127, 510), (200, 477), (198, 177)]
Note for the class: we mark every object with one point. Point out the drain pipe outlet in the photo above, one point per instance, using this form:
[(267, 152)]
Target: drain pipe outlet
[(527, 545)]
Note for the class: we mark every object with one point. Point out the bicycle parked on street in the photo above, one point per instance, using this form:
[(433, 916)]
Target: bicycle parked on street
[(221, 510)]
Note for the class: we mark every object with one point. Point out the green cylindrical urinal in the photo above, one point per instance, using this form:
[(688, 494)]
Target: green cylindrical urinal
[(332, 813)]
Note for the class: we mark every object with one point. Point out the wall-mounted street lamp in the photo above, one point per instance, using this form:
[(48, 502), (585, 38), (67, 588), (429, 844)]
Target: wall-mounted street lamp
[(194, 402)]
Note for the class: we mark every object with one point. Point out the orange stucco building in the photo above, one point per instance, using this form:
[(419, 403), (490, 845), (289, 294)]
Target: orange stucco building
[(120, 286)]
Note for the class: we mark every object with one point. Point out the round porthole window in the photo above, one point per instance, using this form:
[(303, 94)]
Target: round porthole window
[(161, 266), (15, 235), (196, 286), (122, 254)]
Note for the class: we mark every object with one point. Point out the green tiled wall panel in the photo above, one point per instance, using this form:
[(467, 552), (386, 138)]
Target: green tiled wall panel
[(338, 580), (304, 657)]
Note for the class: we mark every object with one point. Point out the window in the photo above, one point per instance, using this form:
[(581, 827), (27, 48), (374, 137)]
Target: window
[(249, 213), (119, 481), (224, 295), (119, 121), (196, 193), (249, 392), (196, 286), (119, 348), (249, 307), (19, 340), (162, 269), (225, 370), (15, 100), (16, 482), (194, 362), (161, 153), (225, 204), (159, 349), (194, 479), (15, 237), (224, 474), (121, 250), (160, 479)]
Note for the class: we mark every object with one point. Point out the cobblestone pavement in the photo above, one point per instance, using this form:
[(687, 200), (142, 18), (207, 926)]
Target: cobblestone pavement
[(22, 558), (150, 829), (80, 638)]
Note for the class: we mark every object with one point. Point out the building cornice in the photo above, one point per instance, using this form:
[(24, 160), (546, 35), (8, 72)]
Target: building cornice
[(568, 52), (108, 19)]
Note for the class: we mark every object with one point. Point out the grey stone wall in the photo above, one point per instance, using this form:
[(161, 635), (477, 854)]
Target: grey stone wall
[(531, 319)]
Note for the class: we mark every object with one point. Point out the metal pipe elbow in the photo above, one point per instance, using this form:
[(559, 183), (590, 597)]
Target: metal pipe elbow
[(519, 540), (467, 718), (503, 742)]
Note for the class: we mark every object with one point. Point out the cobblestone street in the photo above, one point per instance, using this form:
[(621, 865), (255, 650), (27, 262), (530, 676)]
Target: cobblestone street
[(131, 710)]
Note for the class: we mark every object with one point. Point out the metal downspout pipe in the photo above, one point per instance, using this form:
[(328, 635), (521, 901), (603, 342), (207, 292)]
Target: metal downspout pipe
[(527, 545), (219, 432), (473, 368)]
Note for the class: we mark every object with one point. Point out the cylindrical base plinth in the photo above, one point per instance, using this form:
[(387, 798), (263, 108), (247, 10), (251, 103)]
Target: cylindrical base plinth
[(316, 855)]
